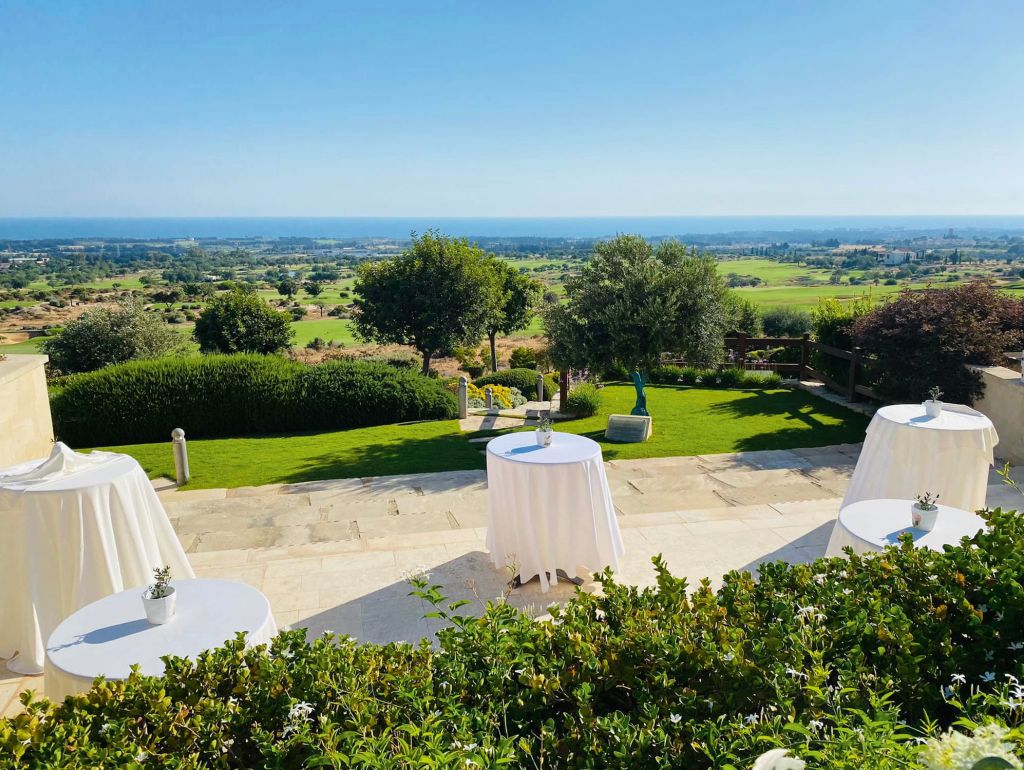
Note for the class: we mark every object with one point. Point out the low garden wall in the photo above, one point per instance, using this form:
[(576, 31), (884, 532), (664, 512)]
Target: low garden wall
[(26, 430), (1003, 403)]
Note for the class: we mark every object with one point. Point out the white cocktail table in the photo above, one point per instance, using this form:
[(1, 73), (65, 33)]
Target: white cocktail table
[(871, 525), (107, 637), (550, 508), (74, 528), (906, 453)]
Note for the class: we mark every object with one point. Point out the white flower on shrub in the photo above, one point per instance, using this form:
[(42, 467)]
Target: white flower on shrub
[(298, 714), (956, 751), (778, 759)]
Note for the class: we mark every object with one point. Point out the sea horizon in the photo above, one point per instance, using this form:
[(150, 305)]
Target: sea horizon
[(42, 228)]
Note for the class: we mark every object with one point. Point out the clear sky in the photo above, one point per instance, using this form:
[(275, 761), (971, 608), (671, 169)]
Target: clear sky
[(554, 108)]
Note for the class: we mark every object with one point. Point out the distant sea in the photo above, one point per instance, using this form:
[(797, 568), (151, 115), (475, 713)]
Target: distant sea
[(555, 227)]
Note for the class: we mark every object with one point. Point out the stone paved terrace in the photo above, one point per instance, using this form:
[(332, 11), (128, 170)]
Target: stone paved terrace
[(332, 555)]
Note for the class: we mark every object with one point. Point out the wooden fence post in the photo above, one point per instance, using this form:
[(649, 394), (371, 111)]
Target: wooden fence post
[(563, 389), (805, 354), (854, 363), (742, 349)]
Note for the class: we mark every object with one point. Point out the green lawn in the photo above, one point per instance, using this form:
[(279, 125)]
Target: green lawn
[(686, 422), (28, 346), (327, 329)]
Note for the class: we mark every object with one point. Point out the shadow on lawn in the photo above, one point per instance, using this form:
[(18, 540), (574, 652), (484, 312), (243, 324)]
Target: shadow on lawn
[(801, 408), (450, 452)]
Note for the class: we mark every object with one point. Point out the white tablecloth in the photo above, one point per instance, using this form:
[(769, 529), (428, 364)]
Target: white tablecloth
[(871, 525), (81, 528), (106, 637), (550, 508), (907, 453)]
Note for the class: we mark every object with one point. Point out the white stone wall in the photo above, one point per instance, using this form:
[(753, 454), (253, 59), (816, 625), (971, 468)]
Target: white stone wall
[(26, 429), (1003, 402)]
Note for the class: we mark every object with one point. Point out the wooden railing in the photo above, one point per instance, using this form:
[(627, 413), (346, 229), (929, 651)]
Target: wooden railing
[(854, 387)]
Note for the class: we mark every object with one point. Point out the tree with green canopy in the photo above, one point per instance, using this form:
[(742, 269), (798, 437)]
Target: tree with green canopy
[(632, 302), (434, 297), (241, 322), (111, 335), (515, 300)]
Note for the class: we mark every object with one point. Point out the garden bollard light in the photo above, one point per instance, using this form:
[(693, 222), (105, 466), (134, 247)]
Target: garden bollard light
[(489, 398), (463, 398), (540, 386), (180, 456)]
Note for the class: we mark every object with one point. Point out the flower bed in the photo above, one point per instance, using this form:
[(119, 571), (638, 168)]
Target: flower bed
[(845, 662)]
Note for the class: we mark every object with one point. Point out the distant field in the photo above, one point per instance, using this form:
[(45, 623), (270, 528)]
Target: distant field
[(773, 273), (327, 329), (807, 296)]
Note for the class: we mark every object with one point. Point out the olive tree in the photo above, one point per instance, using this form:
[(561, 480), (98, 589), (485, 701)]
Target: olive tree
[(241, 322), (434, 297), (514, 301), (632, 302), (105, 336)]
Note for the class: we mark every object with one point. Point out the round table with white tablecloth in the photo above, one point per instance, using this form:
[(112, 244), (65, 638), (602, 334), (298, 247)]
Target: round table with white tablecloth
[(906, 453), (550, 508), (76, 528), (107, 637), (871, 525)]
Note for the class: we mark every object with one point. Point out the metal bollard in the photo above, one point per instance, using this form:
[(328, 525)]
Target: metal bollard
[(540, 386), (463, 398), (489, 398), (180, 449)]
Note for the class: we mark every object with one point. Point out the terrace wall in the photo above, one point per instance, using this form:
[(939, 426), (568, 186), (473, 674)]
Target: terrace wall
[(26, 430), (1003, 402)]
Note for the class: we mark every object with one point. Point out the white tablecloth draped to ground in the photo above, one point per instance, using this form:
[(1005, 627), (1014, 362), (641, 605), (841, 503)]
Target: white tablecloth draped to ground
[(907, 453), (77, 529), (106, 637), (550, 508), (871, 525)]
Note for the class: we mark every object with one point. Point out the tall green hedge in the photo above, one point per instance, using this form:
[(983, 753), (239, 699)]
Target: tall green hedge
[(524, 379), (843, 661), (238, 395)]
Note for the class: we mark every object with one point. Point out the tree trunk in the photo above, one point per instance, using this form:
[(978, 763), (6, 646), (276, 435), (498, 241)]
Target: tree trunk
[(426, 364), (494, 355)]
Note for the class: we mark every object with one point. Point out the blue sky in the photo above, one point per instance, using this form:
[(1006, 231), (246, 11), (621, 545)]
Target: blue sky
[(510, 109)]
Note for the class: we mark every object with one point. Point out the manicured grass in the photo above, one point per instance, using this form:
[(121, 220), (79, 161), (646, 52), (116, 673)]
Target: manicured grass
[(327, 329), (379, 451), (687, 421), (692, 421), (28, 346)]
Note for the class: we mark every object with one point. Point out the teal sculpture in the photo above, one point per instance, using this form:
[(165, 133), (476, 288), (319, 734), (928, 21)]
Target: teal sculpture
[(640, 408)]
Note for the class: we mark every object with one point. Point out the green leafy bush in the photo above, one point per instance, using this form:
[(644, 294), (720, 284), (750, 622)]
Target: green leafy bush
[(523, 358), (105, 336), (833, 325), (842, 661), (583, 401), (786, 321), (523, 379), (923, 339), (242, 322), (238, 395)]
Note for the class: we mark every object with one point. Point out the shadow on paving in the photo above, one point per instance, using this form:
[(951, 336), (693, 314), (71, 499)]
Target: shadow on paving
[(390, 614), (801, 550)]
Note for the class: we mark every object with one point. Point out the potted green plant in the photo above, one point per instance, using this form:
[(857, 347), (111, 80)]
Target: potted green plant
[(158, 599), (925, 512), (933, 407), (544, 433)]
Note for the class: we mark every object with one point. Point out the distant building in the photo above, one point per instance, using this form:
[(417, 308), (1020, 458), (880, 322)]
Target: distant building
[(895, 257)]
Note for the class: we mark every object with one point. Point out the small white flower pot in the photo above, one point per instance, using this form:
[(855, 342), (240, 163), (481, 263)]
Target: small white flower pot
[(159, 611), (544, 437), (932, 408), (925, 518)]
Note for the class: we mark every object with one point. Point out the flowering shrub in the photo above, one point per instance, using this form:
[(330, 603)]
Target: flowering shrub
[(505, 398), (670, 374), (846, 663)]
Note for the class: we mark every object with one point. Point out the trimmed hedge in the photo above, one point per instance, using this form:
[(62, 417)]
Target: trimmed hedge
[(239, 395), (829, 659), (523, 379), (729, 377)]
